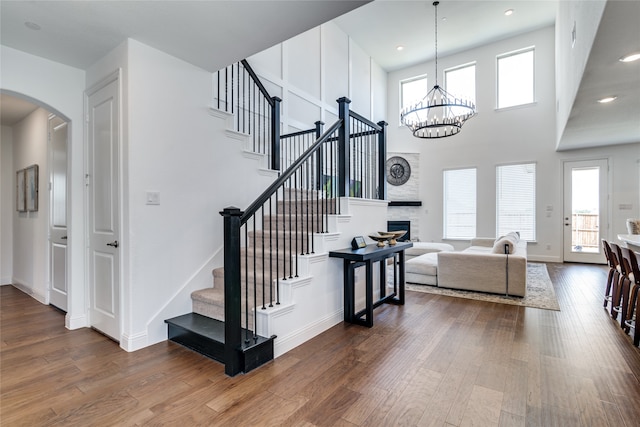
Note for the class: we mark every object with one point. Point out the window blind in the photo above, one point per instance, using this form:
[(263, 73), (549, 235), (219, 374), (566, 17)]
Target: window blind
[(516, 200), (459, 203)]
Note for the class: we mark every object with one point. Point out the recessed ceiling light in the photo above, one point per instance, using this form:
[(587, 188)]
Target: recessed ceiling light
[(630, 58), (607, 99), (32, 26), (508, 12), (399, 48)]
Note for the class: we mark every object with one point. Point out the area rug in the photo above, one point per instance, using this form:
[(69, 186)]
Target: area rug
[(540, 292)]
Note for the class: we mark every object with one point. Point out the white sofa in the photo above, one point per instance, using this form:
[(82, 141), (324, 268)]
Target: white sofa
[(481, 267), (485, 267)]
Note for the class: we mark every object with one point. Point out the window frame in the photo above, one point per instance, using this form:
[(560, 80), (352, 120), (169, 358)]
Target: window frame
[(445, 215), (475, 80), (400, 92), (510, 54)]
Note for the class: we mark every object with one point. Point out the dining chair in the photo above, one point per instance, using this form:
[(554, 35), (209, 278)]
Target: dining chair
[(630, 294), (620, 277), (612, 262)]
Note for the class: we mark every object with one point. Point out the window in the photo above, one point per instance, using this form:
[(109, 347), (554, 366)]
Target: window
[(516, 200), (412, 91), (515, 78), (461, 82), (459, 203)]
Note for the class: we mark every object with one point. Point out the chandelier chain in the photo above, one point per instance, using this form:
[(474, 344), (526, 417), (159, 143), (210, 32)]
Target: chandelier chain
[(436, 3)]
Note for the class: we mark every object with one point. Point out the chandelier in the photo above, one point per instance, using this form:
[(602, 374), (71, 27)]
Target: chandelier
[(439, 114)]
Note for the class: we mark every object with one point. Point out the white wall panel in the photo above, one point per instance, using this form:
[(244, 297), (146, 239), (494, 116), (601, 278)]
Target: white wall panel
[(335, 49), (303, 61), (269, 61), (302, 110), (360, 80)]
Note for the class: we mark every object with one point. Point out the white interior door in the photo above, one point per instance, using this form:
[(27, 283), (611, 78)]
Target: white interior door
[(58, 211), (585, 210), (103, 137)]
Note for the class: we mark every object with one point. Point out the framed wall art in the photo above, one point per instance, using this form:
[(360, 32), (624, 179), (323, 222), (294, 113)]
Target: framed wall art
[(31, 188), (21, 195)]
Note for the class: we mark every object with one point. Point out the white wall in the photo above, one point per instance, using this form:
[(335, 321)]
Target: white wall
[(30, 229), (311, 71), (571, 59), (59, 89), (172, 145), (521, 134), (7, 204)]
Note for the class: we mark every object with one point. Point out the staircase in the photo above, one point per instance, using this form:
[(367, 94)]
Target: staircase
[(277, 278)]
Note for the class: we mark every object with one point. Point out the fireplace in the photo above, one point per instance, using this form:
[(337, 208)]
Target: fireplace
[(400, 225)]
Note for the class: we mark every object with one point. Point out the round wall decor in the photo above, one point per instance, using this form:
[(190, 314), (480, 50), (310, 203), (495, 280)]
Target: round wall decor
[(398, 170)]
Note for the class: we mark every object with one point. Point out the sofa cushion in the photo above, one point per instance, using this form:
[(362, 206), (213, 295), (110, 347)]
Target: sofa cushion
[(421, 248), (426, 264), (509, 241)]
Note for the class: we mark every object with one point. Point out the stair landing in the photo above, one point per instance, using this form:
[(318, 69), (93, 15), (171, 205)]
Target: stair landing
[(206, 336)]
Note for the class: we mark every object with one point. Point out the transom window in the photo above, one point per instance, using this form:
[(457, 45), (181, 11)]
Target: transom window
[(459, 203), (412, 91), (516, 200), (461, 82), (515, 78)]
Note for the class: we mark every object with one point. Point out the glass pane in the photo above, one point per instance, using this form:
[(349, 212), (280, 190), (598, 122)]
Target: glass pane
[(585, 210), (459, 204), (515, 79), (516, 200), (461, 82), (413, 91)]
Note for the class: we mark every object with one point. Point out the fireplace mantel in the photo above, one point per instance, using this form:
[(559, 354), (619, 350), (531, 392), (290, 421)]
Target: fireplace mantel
[(405, 203)]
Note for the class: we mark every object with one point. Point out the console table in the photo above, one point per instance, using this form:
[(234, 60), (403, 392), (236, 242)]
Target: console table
[(354, 258)]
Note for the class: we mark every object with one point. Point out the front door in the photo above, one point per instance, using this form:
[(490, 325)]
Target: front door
[(58, 212), (103, 138), (585, 210)]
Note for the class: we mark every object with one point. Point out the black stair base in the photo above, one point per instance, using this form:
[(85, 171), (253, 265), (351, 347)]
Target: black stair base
[(206, 336)]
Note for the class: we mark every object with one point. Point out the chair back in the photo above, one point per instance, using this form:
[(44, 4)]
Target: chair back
[(607, 253), (631, 259)]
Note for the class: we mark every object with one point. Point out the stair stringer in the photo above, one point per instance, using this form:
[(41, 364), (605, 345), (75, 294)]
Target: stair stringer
[(313, 302)]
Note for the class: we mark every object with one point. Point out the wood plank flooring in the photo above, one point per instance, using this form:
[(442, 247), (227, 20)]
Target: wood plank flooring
[(437, 361)]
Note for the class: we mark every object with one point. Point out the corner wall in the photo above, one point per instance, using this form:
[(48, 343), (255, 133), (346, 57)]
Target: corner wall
[(7, 205), (30, 229)]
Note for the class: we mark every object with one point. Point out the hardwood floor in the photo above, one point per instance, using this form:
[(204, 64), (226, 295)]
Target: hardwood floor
[(437, 361)]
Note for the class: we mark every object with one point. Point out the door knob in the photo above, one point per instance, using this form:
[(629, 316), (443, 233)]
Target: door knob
[(114, 244), (64, 238)]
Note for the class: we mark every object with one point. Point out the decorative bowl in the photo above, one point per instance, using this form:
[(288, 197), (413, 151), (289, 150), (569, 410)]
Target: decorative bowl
[(394, 235), (381, 238)]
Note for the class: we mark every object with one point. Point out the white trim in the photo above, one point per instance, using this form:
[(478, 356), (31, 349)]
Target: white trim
[(133, 342), (294, 339)]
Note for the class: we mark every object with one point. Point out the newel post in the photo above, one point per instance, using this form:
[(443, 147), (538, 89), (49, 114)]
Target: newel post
[(232, 291), (343, 148), (382, 161), (319, 156), (275, 133)]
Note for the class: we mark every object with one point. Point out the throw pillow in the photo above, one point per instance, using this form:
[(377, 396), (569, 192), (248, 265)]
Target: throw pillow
[(499, 245), (633, 226)]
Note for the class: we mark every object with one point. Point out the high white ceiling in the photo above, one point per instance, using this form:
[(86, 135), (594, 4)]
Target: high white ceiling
[(381, 26), (78, 33)]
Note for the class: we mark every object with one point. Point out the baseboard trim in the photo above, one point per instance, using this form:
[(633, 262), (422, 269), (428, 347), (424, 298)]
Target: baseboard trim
[(133, 342), (543, 258), (288, 342), (42, 299), (75, 322)]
